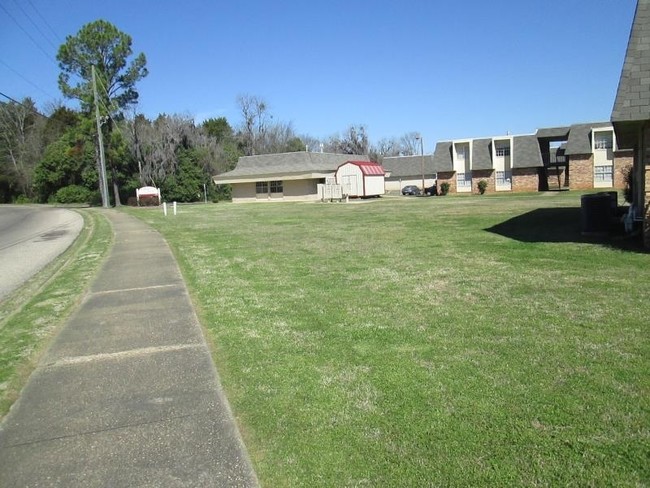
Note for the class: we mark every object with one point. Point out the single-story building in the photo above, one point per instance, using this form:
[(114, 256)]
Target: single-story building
[(409, 170), (631, 112), (286, 177), (361, 178), (580, 156)]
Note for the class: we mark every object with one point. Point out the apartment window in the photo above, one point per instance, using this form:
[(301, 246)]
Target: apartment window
[(276, 187), (603, 174), (603, 140), (503, 151), (503, 177), (460, 153), (464, 180), (262, 187)]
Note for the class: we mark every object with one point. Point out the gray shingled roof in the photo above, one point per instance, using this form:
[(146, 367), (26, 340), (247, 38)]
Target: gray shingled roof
[(526, 153), (442, 157), (579, 141), (289, 163), (553, 133), (404, 166), (481, 154), (633, 94)]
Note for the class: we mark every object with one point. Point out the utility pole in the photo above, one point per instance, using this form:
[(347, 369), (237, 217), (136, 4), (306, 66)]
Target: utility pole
[(419, 137), (103, 184)]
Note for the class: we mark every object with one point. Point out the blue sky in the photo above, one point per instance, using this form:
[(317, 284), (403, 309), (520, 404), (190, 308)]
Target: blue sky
[(446, 69)]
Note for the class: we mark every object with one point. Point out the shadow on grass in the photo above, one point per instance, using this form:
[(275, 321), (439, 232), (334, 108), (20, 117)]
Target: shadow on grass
[(561, 225)]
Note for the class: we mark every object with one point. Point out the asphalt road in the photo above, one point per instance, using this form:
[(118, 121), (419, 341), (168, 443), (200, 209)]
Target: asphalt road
[(30, 238)]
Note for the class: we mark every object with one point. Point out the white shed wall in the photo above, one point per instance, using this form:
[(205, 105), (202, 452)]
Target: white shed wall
[(350, 174), (374, 185)]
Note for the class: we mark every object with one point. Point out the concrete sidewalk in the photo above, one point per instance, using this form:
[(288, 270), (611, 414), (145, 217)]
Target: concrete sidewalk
[(127, 395)]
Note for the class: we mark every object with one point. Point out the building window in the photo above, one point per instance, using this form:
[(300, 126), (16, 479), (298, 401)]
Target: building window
[(503, 178), (276, 187), (262, 187), (603, 140), (460, 153), (603, 174), (503, 151), (464, 180)]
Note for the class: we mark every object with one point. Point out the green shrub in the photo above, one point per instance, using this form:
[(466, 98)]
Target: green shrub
[(21, 199), (482, 186), (628, 178), (73, 194), (444, 188)]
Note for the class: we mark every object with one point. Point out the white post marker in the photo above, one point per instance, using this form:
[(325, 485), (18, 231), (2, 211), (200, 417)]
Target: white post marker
[(174, 208), (165, 208)]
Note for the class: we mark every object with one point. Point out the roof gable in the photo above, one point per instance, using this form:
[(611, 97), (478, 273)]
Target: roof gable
[(633, 95), (368, 168), (579, 141)]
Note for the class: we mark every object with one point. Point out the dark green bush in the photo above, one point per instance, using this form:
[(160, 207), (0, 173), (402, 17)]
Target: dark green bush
[(444, 188), (73, 194), (628, 178), (482, 186)]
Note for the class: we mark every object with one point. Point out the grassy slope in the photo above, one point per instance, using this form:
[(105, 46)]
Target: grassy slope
[(31, 315), (399, 343)]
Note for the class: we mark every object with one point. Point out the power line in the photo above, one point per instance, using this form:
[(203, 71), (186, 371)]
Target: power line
[(28, 81), (108, 112), (56, 36), (33, 110), (48, 56), (34, 24)]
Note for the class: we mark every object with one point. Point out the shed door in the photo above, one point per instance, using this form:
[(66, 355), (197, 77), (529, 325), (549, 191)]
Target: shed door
[(350, 183)]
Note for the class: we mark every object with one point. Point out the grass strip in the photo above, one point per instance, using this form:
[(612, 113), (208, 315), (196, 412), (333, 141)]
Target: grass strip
[(424, 341), (30, 316)]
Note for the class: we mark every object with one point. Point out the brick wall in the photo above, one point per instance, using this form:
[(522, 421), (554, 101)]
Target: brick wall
[(552, 180), (447, 177), (622, 161), (581, 172), (483, 174), (525, 179)]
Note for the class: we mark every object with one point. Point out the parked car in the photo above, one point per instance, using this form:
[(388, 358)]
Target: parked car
[(410, 190), (431, 191)]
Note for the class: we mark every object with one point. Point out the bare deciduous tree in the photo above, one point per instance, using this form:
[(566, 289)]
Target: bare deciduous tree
[(21, 147), (155, 145), (254, 114), (353, 141), (410, 144)]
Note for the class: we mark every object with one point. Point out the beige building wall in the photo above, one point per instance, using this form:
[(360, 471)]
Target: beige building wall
[(397, 185), (299, 190), (292, 190), (462, 155), (242, 192)]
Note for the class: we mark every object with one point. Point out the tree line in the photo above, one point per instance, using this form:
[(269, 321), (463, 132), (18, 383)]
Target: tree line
[(56, 157)]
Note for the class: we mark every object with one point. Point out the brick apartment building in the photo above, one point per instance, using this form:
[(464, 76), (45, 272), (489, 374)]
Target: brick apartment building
[(580, 157)]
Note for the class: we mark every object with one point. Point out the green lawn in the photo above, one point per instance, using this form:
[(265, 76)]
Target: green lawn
[(399, 342), (31, 315)]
